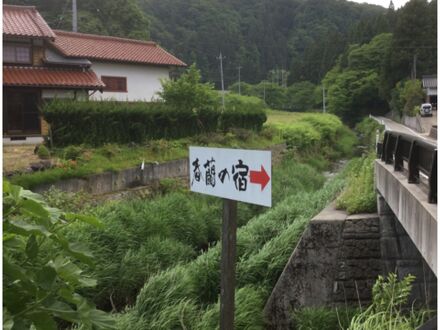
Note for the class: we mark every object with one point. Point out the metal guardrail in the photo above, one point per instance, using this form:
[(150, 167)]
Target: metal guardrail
[(420, 155)]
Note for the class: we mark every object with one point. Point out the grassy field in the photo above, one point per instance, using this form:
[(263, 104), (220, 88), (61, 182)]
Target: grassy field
[(80, 161), (276, 117), (112, 157)]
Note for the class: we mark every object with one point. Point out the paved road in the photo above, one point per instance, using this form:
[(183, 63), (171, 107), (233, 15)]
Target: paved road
[(393, 126)]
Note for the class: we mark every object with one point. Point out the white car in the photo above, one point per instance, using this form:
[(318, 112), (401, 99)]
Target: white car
[(426, 110)]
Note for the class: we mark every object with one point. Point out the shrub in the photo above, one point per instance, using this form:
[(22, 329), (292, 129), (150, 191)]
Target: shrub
[(387, 310), (359, 195), (43, 152), (366, 131), (72, 152), (188, 92), (99, 122), (42, 270), (243, 117), (301, 136)]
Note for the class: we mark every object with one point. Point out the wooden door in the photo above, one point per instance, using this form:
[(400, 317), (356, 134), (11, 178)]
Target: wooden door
[(20, 112)]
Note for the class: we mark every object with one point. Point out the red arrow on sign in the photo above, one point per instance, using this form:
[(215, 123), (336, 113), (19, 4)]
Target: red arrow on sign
[(260, 177)]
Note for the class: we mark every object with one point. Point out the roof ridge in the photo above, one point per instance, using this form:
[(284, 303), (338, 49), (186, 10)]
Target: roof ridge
[(40, 22), (19, 7), (98, 36), (28, 67)]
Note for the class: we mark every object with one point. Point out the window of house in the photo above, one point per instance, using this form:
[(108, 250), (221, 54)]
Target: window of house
[(114, 84), (16, 53)]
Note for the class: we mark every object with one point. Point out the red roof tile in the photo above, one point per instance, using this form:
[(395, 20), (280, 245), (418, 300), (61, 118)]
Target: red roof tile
[(25, 21), (49, 77), (113, 49)]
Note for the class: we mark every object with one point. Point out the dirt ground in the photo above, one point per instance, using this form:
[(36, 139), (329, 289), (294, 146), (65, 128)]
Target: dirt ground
[(18, 157)]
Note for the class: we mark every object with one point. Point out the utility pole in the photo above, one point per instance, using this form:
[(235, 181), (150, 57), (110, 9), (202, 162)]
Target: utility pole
[(239, 80), (323, 99), (74, 17), (221, 77), (414, 68)]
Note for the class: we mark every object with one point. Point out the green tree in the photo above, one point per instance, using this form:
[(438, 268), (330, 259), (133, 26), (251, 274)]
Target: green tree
[(121, 18), (188, 91), (300, 96), (41, 268), (414, 39), (406, 96)]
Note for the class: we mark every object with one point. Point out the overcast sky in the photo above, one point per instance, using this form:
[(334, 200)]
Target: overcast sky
[(384, 3)]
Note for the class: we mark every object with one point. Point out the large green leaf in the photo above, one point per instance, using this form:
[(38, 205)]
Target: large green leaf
[(25, 228), (84, 218), (71, 273), (42, 321), (102, 320), (45, 277), (37, 211), (31, 247), (77, 250), (8, 322), (63, 311), (13, 241)]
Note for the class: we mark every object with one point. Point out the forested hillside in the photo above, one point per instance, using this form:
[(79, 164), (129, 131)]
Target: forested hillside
[(302, 37)]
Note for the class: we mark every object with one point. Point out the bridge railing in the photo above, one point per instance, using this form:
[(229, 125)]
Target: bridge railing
[(420, 155)]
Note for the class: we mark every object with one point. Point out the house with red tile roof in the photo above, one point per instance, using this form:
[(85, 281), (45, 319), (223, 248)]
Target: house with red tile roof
[(130, 69), (40, 64), (30, 76)]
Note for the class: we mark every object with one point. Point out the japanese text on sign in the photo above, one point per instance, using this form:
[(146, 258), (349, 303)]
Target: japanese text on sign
[(243, 175)]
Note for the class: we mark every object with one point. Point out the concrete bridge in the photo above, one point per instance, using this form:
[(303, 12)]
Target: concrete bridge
[(406, 181), (339, 256)]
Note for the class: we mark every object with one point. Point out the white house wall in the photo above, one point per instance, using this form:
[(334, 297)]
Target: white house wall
[(63, 94), (143, 82)]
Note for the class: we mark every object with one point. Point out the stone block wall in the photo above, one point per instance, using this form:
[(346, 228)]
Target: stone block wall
[(338, 260), (359, 259)]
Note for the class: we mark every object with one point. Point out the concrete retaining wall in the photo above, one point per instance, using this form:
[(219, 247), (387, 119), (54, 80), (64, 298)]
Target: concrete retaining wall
[(336, 261), (113, 181), (107, 182), (413, 122)]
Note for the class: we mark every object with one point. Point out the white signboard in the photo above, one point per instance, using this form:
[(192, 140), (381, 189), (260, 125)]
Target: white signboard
[(242, 175)]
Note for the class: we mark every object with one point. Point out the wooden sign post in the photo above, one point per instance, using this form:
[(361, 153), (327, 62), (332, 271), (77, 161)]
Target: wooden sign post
[(229, 247), (235, 175)]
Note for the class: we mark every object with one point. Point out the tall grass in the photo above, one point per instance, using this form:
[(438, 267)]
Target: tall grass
[(141, 237), (359, 195), (388, 309), (263, 247), (324, 318)]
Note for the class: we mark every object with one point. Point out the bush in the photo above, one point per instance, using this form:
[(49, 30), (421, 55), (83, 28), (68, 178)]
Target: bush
[(43, 152), (245, 117), (188, 92), (387, 311), (301, 136), (99, 122), (359, 195), (366, 131), (42, 270), (72, 152)]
